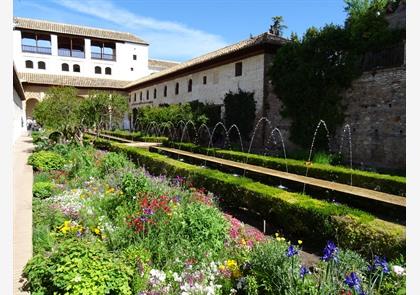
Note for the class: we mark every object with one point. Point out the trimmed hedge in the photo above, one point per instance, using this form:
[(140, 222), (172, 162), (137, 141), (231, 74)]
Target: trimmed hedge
[(370, 180), (299, 215), (135, 136)]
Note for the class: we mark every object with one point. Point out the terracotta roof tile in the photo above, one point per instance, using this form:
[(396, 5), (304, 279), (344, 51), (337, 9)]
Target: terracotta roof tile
[(161, 64), (263, 38), (63, 80), (42, 25)]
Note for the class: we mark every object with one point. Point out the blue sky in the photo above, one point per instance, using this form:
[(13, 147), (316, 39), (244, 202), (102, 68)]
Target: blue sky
[(181, 30)]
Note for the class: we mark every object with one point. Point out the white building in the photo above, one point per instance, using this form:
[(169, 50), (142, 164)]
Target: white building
[(19, 118), (209, 77), (61, 49)]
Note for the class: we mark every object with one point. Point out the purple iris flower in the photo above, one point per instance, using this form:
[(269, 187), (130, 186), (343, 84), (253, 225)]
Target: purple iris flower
[(379, 262), (177, 199), (291, 251), (148, 211), (143, 218), (353, 281), (303, 271), (330, 252)]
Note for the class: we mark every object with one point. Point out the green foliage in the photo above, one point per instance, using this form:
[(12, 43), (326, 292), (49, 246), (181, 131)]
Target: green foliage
[(310, 74), (100, 107), (135, 136), (78, 267), (59, 111), (112, 162), (278, 26), (172, 113), (240, 110), (210, 110), (43, 190), (318, 67), (275, 272), (83, 162), (196, 229), (299, 214), (132, 184), (46, 161)]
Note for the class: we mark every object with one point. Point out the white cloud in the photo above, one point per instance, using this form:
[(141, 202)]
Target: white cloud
[(168, 40)]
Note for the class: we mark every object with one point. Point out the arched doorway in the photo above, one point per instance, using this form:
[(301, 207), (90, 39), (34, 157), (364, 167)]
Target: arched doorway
[(30, 105)]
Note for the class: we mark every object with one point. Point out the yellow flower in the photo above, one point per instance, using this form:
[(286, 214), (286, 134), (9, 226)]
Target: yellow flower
[(277, 234), (300, 242), (222, 267), (243, 242), (280, 239), (97, 231)]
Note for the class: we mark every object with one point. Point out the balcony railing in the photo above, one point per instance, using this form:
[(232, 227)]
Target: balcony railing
[(71, 53), (36, 49), (104, 56)]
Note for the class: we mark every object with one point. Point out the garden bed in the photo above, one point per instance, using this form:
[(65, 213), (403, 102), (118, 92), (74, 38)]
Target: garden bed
[(103, 226), (298, 214), (370, 180)]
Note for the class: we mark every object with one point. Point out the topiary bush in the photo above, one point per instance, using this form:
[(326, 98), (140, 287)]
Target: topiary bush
[(46, 161), (78, 267), (43, 189)]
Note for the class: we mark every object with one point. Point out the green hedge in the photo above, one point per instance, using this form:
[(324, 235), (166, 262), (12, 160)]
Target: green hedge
[(370, 180), (298, 214), (135, 136)]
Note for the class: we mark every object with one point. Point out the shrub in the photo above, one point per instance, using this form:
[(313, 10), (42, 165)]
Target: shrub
[(132, 184), (46, 161), (111, 162), (43, 190), (78, 267), (240, 110)]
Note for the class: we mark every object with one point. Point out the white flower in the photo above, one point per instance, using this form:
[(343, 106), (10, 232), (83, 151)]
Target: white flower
[(177, 278), (400, 271)]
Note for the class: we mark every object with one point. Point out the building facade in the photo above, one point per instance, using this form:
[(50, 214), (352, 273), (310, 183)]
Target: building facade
[(61, 49), (19, 118)]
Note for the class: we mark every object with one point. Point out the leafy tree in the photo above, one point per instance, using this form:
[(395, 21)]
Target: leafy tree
[(62, 110), (102, 108), (240, 110), (278, 26), (59, 111)]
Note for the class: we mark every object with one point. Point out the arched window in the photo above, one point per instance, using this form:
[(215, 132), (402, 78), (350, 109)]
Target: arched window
[(165, 91), (76, 68), (65, 67), (141, 95), (41, 65), (135, 96), (107, 71), (29, 64), (98, 70), (176, 88), (147, 94), (154, 93), (189, 85)]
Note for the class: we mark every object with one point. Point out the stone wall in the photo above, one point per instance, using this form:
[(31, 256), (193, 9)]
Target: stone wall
[(376, 113)]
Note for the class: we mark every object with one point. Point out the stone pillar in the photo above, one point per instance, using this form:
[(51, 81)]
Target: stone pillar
[(54, 45), (87, 49)]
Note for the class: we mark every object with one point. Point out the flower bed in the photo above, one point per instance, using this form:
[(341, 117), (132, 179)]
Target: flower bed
[(370, 180), (112, 228)]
